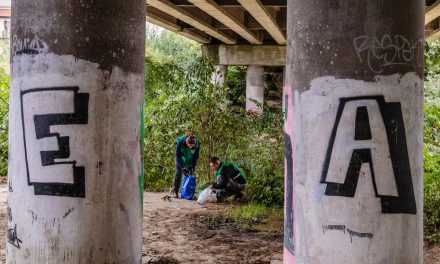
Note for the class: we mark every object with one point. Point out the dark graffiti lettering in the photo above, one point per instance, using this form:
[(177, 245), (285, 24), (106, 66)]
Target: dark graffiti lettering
[(391, 114), (9, 214), (357, 234), (68, 212), (362, 127), (333, 227), (342, 228), (10, 186), (289, 241), (348, 188), (42, 130), (13, 238), (34, 216)]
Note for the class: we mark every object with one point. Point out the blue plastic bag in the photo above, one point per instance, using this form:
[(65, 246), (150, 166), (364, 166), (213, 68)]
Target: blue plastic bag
[(188, 187)]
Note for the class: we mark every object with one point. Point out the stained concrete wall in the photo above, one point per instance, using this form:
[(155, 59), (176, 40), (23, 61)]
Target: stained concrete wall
[(220, 74), (354, 168), (77, 83), (260, 55), (254, 88)]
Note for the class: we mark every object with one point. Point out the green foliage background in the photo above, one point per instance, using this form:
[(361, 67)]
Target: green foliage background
[(431, 140), (182, 100), (4, 105)]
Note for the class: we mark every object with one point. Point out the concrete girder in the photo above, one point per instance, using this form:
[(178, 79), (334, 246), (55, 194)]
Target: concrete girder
[(234, 3), (219, 13), (163, 20), (432, 35), (194, 36), (261, 14), (178, 12), (432, 12), (258, 55)]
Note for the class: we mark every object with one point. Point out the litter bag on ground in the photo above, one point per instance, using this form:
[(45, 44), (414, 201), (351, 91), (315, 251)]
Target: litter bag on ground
[(188, 187), (208, 195)]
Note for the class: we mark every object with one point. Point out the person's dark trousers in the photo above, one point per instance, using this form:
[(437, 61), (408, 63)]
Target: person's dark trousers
[(177, 178), (232, 189)]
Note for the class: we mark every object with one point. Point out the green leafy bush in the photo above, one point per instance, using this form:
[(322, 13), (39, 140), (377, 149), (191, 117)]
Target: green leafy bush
[(431, 143), (431, 151), (4, 108), (180, 99)]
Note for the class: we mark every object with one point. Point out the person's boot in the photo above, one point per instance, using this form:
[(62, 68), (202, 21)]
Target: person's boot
[(174, 193), (238, 196)]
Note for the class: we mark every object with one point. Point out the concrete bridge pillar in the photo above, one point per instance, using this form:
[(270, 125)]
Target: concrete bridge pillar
[(77, 85), (254, 88), (219, 75), (354, 167)]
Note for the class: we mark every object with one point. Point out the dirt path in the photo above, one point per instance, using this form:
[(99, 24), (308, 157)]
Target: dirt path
[(179, 231)]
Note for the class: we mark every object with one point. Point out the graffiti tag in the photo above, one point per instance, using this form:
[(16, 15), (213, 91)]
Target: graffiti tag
[(364, 147), (53, 161), (28, 45), (380, 53), (13, 238)]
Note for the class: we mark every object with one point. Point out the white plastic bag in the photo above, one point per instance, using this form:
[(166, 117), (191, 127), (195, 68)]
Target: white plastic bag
[(208, 195)]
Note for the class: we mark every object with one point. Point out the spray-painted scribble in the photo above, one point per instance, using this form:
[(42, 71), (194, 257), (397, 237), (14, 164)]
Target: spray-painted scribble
[(28, 45), (391, 116), (289, 235), (288, 222), (357, 234), (9, 214), (68, 212), (13, 237), (343, 228), (10, 189), (380, 53), (325, 228), (42, 124), (34, 216)]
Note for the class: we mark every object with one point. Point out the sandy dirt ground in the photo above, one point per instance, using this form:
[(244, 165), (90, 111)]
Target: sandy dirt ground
[(179, 231)]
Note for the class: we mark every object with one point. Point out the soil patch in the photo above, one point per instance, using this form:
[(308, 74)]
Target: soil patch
[(181, 231)]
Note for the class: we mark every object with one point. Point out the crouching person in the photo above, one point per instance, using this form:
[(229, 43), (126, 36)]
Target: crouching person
[(230, 180)]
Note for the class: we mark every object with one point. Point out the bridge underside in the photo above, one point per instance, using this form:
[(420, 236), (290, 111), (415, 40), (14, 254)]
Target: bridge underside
[(243, 22), (244, 32), (223, 22), (432, 20)]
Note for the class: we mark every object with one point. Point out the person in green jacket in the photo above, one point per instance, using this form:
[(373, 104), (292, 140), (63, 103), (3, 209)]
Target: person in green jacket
[(186, 154), (230, 179)]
